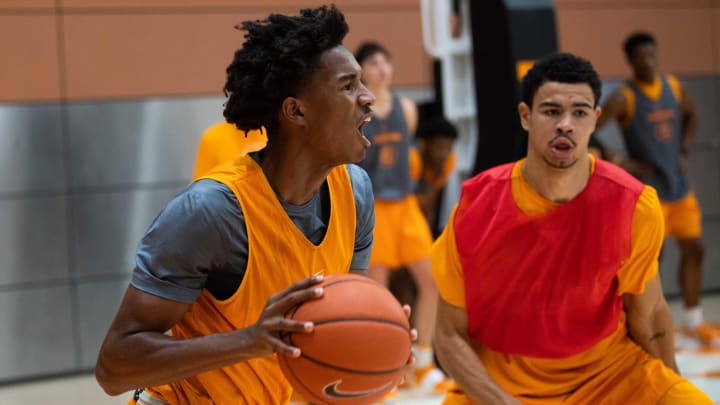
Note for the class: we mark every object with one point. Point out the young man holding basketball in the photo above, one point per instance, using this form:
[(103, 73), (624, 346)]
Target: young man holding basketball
[(547, 270), (229, 256)]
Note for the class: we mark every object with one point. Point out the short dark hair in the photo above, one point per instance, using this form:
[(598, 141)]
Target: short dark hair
[(436, 127), (277, 60), (562, 68), (636, 40), (368, 49)]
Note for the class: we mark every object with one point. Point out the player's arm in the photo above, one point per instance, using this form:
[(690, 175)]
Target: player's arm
[(410, 111), (616, 108), (452, 343), (364, 219), (689, 121), (648, 320), (180, 248), (137, 353), (458, 358)]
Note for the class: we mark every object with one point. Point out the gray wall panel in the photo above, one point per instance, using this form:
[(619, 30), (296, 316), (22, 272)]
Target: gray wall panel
[(706, 107), (36, 334), (711, 239), (108, 227), (97, 303), (33, 240), (31, 149), (704, 173), (670, 261), (143, 141)]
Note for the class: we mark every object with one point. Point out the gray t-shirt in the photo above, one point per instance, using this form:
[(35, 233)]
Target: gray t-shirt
[(199, 240)]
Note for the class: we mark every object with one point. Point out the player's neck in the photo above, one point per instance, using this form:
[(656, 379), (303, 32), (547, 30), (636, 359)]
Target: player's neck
[(294, 176), (645, 80), (553, 184)]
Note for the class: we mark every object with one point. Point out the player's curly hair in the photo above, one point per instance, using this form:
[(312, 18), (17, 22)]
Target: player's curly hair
[(635, 40), (562, 68), (277, 60), (436, 127)]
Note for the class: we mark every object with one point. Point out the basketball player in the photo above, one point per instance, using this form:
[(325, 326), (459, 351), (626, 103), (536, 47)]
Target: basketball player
[(431, 163), (224, 142), (658, 124), (526, 315), (402, 236), (229, 256)]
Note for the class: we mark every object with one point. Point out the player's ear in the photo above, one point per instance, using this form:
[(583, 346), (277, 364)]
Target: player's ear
[(524, 112), (293, 110), (598, 112)]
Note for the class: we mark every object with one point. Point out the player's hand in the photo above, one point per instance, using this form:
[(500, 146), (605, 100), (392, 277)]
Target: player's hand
[(266, 333), (413, 337)]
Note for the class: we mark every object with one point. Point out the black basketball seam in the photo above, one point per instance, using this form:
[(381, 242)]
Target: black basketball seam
[(349, 280), (343, 369), (349, 370), (299, 381), (362, 319)]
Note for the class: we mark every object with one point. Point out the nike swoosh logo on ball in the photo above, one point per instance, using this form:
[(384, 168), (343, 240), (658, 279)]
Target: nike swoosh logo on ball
[(332, 390)]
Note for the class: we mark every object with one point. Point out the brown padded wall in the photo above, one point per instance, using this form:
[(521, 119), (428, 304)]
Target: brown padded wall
[(29, 61), (156, 48), (687, 32)]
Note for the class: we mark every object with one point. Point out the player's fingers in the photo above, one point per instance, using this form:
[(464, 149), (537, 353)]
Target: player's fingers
[(297, 286), (413, 334), (288, 325), (284, 304), (281, 347), (407, 310)]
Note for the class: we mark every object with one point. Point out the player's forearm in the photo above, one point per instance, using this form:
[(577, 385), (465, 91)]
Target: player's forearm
[(151, 358), (461, 362), (655, 335)]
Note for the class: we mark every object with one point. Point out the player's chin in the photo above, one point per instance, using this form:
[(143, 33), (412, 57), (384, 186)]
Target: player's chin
[(356, 156)]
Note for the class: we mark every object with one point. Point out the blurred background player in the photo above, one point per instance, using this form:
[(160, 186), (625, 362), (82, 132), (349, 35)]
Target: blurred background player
[(224, 142), (526, 315), (402, 235), (432, 160), (431, 163), (217, 265), (658, 124)]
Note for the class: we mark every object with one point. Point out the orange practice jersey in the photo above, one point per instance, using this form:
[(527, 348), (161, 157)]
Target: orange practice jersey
[(224, 142), (279, 255), (570, 379)]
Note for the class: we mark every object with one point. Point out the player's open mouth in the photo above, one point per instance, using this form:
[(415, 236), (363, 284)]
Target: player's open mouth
[(562, 147), (364, 121)]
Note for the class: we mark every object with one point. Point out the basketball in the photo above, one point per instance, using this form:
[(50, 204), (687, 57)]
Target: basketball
[(359, 348)]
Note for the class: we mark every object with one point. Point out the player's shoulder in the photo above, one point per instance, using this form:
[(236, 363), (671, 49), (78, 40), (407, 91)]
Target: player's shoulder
[(613, 175), (360, 182), (477, 186), (220, 130), (491, 175), (207, 195), (675, 86)]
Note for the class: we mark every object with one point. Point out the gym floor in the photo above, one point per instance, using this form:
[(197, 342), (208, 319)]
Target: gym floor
[(701, 367)]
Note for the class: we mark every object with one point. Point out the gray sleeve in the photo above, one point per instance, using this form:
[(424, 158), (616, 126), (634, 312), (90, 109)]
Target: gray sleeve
[(365, 214), (191, 236)]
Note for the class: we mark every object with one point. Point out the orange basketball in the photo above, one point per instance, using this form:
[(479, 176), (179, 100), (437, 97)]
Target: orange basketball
[(358, 350)]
